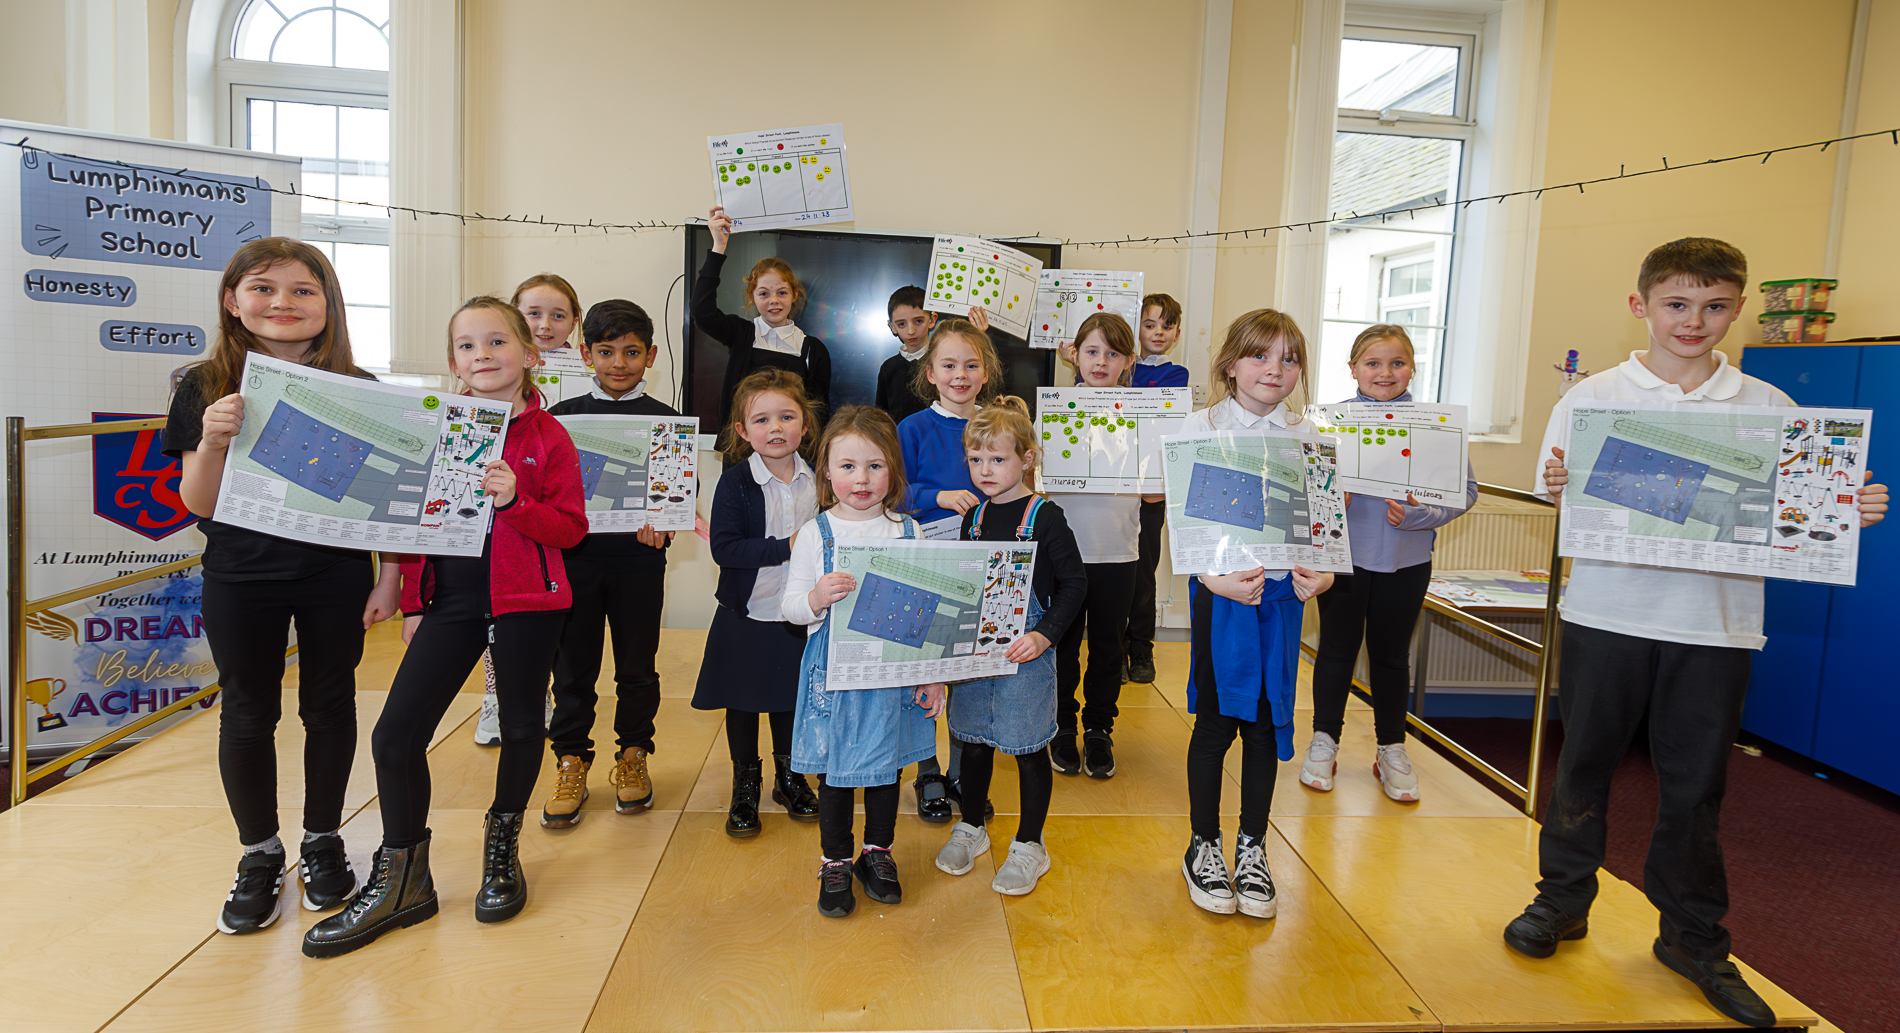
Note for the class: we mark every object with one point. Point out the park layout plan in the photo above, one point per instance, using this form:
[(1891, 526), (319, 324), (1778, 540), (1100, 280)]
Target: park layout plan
[(1491, 589), (1244, 499), (1066, 297), (1107, 439), (782, 177), (1391, 449), (334, 460), (1760, 490), (637, 471), (925, 611), (969, 271)]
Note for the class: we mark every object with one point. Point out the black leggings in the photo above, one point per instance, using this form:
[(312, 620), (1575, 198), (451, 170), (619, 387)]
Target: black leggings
[(1212, 736), (1105, 617), (440, 656), (837, 807), (248, 625), (1384, 609), (742, 734), (1037, 779), (1141, 611)]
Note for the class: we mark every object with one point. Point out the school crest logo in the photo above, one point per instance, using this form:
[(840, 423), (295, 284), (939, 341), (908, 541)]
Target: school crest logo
[(134, 484)]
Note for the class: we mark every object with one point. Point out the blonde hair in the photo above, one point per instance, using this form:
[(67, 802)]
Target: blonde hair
[(557, 282), (1250, 335), (1374, 334), (517, 325), (1004, 418), (1116, 333), (779, 266), (876, 427), (920, 383), (769, 380)]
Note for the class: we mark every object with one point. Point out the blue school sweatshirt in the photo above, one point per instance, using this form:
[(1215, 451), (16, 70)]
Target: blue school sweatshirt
[(1159, 374), (933, 461)]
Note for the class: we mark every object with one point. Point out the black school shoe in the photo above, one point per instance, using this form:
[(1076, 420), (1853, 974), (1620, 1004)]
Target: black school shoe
[(933, 798), (835, 899), (1722, 983), (956, 793), (1141, 671), (1098, 753), (256, 894), (1537, 931), (878, 871), (328, 879), (1063, 756)]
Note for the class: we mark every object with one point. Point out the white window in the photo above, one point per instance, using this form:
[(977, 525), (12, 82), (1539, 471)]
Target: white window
[(311, 79)]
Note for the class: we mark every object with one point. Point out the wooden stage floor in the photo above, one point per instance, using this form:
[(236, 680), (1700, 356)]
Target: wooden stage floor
[(1390, 914)]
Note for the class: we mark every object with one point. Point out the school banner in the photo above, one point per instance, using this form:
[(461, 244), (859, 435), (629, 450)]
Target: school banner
[(110, 252)]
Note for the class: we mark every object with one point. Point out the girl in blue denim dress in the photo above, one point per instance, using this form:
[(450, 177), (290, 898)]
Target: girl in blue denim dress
[(861, 737), (1014, 713)]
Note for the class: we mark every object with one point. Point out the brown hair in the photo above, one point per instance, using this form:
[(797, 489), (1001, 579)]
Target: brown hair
[(920, 384), (1170, 308), (1116, 333), (1375, 333), (219, 372), (763, 381), (1250, 335), (557, 282), (517, 325), (875, 426), (1704, 260), (1006, 417), (774, 265)]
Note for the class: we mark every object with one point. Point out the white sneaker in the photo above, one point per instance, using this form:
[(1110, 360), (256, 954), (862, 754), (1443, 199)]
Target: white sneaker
[(1321, 762), (1253, 883), (1209, 885), (488, 726), (1026, 863), (967, 843), (1394, 768)]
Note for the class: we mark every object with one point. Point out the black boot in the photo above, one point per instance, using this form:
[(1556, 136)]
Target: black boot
[(504, 889), (790, 790), (399, 894), (742, 821)]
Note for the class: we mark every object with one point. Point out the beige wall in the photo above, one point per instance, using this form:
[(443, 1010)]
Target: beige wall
[(33, 61), (1867, 303)]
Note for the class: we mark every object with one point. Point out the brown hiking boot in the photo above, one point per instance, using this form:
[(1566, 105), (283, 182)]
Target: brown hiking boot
[(633, 790), (563, 809)]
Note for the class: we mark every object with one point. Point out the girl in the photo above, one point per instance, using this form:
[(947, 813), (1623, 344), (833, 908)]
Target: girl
[(769, 339), (1015, 713), (278, 297), (1246, 688), (751, 665), (1107, 532), (1380, 599), (512, 599), (863, 737)]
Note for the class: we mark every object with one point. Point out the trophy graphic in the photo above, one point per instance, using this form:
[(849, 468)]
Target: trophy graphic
[(44, 691)]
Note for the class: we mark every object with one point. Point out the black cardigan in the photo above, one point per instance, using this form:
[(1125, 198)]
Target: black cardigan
[(812, 363), (739, 544)]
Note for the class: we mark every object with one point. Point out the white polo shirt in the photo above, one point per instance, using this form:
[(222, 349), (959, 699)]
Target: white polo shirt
[(787, 508)]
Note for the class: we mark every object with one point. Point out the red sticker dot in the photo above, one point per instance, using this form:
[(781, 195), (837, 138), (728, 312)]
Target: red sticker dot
[(1388, 416), (1045, 326), (1405, 451), (1118, 405), (1090, 283), (1098, 306), (996, 257), (781, 147)]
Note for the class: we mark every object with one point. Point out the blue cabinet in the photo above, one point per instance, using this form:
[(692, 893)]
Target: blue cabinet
[(1820, 687)]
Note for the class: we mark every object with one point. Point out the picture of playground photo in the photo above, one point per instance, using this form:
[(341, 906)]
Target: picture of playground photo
[(1240, 500), (927, 611)]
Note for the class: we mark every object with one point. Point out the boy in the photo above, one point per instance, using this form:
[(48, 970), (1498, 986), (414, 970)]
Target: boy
[(1670, 644), (910, 324), (618, 579), (1160, 331)]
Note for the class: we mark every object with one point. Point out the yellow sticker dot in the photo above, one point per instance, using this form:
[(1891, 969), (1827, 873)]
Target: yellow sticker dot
[(1441, 419), (821, 139)]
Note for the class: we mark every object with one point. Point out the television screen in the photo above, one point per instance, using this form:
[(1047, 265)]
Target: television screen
[(848, 280)]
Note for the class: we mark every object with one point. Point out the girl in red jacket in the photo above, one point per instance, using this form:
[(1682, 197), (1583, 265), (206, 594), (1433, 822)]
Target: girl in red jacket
[(510, 601)]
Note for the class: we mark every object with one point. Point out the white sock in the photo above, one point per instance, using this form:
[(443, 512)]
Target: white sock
[(272, 845), (311, 837)]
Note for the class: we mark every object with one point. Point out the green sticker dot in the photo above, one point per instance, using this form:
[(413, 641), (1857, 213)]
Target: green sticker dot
[(1046, 435), (1065, 453), (1401, 432)]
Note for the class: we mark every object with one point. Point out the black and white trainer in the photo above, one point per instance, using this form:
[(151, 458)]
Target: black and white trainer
[(877, 869), (1206, 872), (256, 895), (1253, 883), (835, 899), (328, 880)]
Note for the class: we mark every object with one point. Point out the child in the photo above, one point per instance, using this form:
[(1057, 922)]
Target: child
[(278, 297), (1107, 532), (617, 579), (513, 599), (1668, 645), (1014, 713), (1379, 601), (1245, 687), (863, 737), (770, 339), (910, 324), (1160, 330), (957, 372), (765, 495)]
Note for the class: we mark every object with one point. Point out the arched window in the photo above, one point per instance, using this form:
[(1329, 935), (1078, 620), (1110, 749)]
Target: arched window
[(310, 78)]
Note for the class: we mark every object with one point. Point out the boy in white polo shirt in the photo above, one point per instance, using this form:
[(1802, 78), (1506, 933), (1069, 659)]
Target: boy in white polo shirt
[(1672, 645)]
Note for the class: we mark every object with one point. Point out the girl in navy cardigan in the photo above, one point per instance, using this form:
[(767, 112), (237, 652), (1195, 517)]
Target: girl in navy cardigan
[(769, 340), (765, 495), (511, 600)]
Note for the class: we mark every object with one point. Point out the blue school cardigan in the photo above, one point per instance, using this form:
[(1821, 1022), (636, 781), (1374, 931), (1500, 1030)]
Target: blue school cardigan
[(1256, 653), (738, 540)]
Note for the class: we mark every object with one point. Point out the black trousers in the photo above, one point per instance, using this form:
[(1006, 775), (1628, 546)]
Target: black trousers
[(1104, 618), (629, 598), (440, 656), (1383, 610), (1035, 781), (248, 625), (1141, 610), (1692, 696), (837, 807), (742, 734), (1214, 734)]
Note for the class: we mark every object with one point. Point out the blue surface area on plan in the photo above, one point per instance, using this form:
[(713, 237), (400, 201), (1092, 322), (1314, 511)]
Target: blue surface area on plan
[(1227, 497), (309, 453), (894, 611), (1647, 480), (592, 463)]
